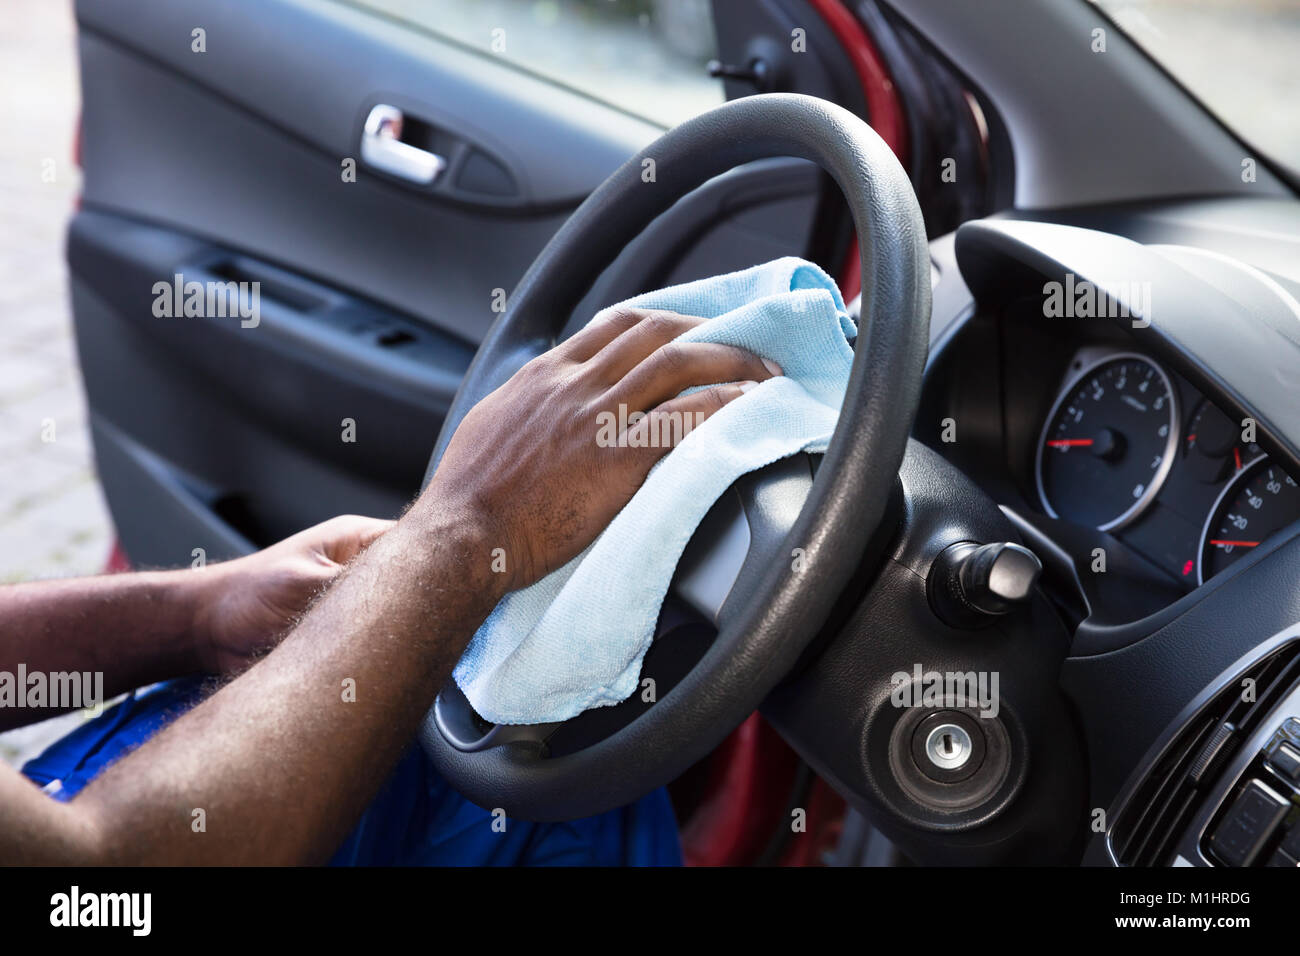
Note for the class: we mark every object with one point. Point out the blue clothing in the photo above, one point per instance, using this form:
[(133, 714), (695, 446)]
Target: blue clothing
[(417, 819)]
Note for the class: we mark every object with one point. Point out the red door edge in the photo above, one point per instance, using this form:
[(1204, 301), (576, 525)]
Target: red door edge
[(884, 107)]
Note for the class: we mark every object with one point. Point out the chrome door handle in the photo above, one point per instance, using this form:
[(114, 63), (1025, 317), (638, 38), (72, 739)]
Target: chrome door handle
[(382, 148)]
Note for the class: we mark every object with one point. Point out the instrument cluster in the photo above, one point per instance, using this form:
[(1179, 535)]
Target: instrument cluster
[(1133, 450)]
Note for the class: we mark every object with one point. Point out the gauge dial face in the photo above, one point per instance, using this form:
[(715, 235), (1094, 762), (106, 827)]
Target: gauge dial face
[(1214, 448), (1108, 443), (1262, 499)]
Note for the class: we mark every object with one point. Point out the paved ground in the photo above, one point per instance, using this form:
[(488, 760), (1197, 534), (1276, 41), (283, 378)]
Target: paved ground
[(53, 521)]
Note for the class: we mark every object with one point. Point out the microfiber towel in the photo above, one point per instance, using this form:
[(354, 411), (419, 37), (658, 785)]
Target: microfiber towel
[(575, 639)]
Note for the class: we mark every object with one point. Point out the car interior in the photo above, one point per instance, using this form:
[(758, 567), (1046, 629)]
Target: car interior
[(1067, 459)]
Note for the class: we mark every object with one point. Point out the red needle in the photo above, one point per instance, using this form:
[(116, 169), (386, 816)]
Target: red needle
[(1235, 544), (1236, 456), (1069, 442)]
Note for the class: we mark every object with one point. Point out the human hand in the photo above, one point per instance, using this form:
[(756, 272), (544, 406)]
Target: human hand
[(248, 604), (544, 462)]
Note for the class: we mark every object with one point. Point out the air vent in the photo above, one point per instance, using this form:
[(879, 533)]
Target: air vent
[(1163, 804)]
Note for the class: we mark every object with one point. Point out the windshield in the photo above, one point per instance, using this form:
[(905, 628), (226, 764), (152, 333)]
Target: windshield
[(1241, 58)]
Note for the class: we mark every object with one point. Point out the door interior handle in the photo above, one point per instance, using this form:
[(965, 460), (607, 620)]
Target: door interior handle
[(382, 148)]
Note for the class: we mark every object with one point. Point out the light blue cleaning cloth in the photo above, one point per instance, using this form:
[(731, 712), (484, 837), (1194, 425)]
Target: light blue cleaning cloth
[(575, 639)]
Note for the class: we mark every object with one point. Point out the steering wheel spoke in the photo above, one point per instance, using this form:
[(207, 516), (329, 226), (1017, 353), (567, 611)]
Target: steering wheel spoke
[(742, 535)]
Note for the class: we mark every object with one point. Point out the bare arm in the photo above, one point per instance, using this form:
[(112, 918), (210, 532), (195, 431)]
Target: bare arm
[(132, 629), (128, 630), (279, 761)]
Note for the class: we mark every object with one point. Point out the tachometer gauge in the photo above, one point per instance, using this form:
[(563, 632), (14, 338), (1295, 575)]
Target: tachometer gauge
[(1109, 442), (1260, 500)]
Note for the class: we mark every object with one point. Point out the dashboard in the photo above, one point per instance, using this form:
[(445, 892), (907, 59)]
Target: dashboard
[(1144, 461), (1149, 457), (1131, 448)]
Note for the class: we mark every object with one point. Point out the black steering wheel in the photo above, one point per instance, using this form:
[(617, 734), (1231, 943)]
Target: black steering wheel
[(786, 602)]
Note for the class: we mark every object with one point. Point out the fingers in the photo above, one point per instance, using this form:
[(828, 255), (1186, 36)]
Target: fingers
[(663, 428), (648, 328), (634, 346), (634, 351), (365, 530), (341, 539), (677, 366)]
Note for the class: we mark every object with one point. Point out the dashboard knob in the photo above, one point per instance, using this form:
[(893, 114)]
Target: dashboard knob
[(972, 584)]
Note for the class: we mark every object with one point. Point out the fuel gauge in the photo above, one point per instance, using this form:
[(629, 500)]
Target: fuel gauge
[(1213, 449)]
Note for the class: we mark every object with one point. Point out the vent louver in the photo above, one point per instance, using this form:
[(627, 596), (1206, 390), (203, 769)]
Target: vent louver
[(1162, 805)]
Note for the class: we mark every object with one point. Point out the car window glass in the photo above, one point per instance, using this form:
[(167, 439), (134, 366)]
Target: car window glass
[(645, 56), (1238, 57)]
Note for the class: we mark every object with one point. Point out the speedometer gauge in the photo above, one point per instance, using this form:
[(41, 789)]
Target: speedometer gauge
[(1262, 499), (1108, 442)]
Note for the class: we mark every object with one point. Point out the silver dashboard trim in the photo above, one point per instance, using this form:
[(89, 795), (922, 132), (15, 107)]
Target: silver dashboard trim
[(1188, 851)]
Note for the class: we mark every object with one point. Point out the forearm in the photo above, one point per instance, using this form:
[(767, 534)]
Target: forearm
[(282, 761), (133, 629)]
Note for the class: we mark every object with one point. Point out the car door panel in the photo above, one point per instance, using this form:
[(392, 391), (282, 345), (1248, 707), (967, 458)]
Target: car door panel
[(161, 148), (249, 421)]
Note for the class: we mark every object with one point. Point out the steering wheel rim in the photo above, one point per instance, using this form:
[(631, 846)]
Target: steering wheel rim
[(848, 498)]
